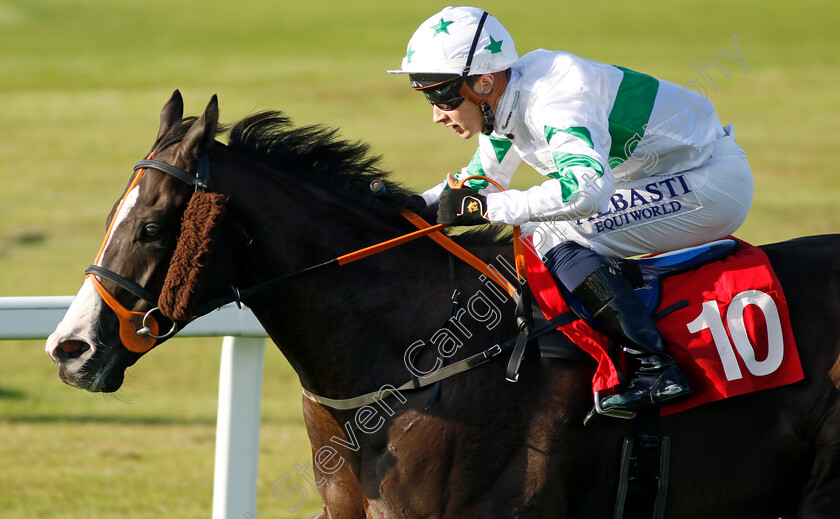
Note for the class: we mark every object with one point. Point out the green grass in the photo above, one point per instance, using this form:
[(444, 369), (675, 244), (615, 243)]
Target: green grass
[(81, 86), (146, 452)]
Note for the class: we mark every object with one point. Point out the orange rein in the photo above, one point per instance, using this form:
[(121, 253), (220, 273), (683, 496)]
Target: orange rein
[(132, 322), (433, 231)]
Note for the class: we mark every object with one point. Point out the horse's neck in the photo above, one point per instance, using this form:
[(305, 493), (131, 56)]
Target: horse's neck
[(345, 330)]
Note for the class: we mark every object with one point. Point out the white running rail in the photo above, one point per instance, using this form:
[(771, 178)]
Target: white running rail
[(240, 388)]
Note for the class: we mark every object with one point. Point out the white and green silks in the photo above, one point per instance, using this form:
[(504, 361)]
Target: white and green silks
[(588, 127)]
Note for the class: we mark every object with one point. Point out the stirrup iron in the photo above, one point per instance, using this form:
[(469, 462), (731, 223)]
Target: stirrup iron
[(612, 413)]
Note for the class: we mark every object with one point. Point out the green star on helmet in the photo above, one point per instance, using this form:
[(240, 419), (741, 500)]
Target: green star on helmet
[(408, 54), (495, 46), (442, 26)]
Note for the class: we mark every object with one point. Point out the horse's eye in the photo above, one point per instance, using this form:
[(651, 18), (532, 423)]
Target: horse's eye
[(152, 230)]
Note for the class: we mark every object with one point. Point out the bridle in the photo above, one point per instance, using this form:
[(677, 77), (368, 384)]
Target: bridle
[(140, 331)]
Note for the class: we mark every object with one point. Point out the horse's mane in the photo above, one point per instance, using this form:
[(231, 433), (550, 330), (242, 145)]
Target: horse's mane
[(314, 154), (317, 155)]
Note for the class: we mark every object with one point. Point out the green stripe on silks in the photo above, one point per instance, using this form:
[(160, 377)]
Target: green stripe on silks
[(569, 187), (475, 168), (580, 132), (630, 113), (501, 147)]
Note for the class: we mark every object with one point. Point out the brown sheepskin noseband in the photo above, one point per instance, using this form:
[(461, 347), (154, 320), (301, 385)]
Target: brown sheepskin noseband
[(199, 229)]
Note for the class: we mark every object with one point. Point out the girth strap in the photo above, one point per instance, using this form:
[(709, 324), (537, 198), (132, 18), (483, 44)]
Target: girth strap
[(473, 361)]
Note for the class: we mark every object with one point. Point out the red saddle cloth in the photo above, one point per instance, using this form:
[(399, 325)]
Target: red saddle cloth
[(733, 337)]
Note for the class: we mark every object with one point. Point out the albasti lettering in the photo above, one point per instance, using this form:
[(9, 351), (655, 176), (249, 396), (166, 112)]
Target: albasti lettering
[(614, 222)]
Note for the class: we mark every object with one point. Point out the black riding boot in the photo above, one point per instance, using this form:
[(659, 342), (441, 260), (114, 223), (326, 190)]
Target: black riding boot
[(624, 317)]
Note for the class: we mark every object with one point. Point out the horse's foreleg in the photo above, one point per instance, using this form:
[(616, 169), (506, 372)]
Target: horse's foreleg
[(339, 486)]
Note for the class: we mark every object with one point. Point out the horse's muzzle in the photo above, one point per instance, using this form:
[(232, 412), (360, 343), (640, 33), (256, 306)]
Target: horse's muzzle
[(80, 366)]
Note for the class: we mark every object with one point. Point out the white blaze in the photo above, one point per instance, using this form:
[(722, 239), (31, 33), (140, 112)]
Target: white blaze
[(80, 323), (125, 208)]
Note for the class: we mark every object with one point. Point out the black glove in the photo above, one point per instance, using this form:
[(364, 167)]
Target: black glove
[(462, 206)]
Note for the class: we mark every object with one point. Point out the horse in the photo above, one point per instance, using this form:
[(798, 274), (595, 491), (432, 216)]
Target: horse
[(475, 445)]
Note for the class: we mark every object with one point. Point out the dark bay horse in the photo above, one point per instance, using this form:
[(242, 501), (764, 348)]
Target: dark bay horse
[(476, 446)]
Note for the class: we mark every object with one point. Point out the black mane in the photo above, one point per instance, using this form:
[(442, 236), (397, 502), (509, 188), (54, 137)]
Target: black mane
[(315, 154)]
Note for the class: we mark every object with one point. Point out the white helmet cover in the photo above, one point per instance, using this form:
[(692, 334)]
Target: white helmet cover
[(442, 44)]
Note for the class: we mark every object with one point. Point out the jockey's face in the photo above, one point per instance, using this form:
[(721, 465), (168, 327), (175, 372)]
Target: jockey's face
[(466, 120)]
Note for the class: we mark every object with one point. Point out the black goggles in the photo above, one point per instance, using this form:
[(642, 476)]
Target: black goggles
[(442, 90)]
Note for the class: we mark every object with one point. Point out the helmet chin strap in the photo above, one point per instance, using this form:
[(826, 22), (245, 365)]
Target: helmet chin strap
[(500, 80), (489, 118)]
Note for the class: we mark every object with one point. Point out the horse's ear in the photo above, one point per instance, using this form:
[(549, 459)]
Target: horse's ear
[(201, 135), (172, 112)]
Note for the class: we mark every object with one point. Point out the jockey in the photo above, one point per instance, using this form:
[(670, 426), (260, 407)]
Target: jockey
[(634, 165)]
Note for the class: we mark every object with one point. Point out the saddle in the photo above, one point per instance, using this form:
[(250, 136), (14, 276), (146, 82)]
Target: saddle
[(712, 300), (645, 275), (720, 310)]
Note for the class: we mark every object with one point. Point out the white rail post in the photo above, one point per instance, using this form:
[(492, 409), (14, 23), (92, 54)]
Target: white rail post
[(238, 428), (240, 389)]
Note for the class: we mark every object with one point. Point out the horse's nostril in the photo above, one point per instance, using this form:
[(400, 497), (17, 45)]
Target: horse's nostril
[(69, 350)]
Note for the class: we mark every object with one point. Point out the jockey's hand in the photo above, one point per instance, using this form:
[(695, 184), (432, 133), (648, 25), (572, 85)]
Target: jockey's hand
[(451, 181), (462, 206)]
